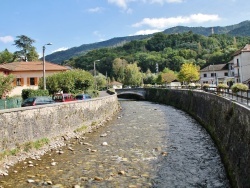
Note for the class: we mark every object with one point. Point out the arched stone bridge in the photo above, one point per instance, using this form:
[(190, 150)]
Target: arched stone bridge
[(135, 93)]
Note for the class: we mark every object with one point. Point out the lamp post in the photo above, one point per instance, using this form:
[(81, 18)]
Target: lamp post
[(44, 79), (95, 74)]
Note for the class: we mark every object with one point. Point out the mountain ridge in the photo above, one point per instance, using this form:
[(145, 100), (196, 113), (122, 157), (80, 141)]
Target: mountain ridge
[(240, 29)]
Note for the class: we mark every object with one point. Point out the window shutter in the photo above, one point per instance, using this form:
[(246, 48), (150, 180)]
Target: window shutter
[(36, 81), (14, 82), (22, 81), (28, 81)]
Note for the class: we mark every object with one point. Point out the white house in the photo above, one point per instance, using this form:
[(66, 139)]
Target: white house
[(27, 74), (241, 62), (115, 85), (215, 74)]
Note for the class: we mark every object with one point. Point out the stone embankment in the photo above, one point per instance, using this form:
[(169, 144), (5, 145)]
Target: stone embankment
[(24, 129), (227, 122)]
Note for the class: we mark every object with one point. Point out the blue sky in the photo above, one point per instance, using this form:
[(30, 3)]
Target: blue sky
[(71, 23)]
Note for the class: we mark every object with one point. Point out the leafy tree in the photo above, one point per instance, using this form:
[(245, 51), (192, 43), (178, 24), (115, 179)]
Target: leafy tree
[(5, 84), (149, 78), (189, 73), (133, 75), (32, 55), (24, 43), (119, 65), (6, 57), (157, 42), (101, 81), (168, 75), (73, 81)]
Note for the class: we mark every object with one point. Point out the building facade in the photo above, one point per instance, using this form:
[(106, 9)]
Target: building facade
[(28, 74), (215, 74), (241, 64)]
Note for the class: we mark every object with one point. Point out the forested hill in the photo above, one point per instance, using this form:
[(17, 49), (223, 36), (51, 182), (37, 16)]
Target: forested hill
[(241, 29)]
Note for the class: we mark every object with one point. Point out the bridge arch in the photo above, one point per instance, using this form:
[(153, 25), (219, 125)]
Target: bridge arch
[(131, 93)]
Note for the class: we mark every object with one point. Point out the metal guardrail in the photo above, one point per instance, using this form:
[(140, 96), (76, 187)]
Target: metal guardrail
[(241, 97), (10, 103)]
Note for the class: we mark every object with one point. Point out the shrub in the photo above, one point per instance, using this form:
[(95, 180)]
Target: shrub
[(26, 93), (222, 86), (239, 87)]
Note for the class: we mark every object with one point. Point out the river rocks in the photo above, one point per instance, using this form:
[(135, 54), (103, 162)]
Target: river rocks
[(104, 143), (30, 180), (121, 172), (103, 135)]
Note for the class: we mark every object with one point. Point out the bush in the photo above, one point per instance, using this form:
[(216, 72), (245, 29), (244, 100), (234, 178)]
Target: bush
[(222, 86), (239, 87), (26, 93)]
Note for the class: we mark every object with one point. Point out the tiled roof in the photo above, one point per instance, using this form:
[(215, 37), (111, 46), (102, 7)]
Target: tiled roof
[(31, 66), (115, 83), (217, 67)]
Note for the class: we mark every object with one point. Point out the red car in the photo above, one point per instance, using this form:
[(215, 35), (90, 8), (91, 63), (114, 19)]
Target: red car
[(63, 97)]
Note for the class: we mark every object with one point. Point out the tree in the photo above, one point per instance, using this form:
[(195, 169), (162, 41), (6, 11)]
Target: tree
[(133, 75), (6, 84), (101, 81), (73, 81), (189, 73), (168, 75), (25, 44), (6, 57)]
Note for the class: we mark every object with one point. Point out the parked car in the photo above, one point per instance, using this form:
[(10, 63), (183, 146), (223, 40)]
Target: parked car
[(39, 100), (63, 97), (83, 97)]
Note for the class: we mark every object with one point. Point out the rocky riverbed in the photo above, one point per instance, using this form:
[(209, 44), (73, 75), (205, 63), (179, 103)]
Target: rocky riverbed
[(147, 145)]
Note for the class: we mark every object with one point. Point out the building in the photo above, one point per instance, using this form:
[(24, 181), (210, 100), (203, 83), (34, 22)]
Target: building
[(215, 74), (28, 74), (115, 85), (241, 63)]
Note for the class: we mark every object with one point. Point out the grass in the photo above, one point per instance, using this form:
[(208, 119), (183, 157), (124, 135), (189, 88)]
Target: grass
[(80, 129)]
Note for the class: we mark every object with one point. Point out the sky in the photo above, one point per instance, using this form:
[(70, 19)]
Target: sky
[(72, 23)]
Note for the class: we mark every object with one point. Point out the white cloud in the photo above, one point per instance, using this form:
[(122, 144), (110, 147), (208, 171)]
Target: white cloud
[(120, 3), (147, 31), (164, 1), (161, 23), (96, 9), (60, 49), (124, 3), (6, 39)]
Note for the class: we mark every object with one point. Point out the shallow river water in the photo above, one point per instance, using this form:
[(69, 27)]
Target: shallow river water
[(147, 145)]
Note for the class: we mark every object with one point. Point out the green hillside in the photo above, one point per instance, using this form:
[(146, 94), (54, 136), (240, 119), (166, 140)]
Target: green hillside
[(241, 29)]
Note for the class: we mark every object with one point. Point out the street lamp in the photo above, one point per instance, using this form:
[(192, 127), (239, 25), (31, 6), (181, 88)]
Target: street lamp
[(44, 79), (95, 73)]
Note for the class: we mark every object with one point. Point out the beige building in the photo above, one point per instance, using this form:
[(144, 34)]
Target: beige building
[(28, 74), (215, 74), (241, 64)]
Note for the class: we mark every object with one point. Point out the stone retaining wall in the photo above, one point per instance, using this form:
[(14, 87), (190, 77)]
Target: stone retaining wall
[(28, 124), (227, 122)]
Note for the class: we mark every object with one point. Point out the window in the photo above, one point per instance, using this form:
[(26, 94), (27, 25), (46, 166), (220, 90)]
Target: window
[(18, 82), (205, 75), (225, 74), (32, 81), (237, 62), (213, 74), (205, 82)]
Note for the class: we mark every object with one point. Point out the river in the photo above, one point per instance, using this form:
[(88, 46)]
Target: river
[(146, 145)]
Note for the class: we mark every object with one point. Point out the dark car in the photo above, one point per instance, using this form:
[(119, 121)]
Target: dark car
[(34, 101), (83, 97)]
